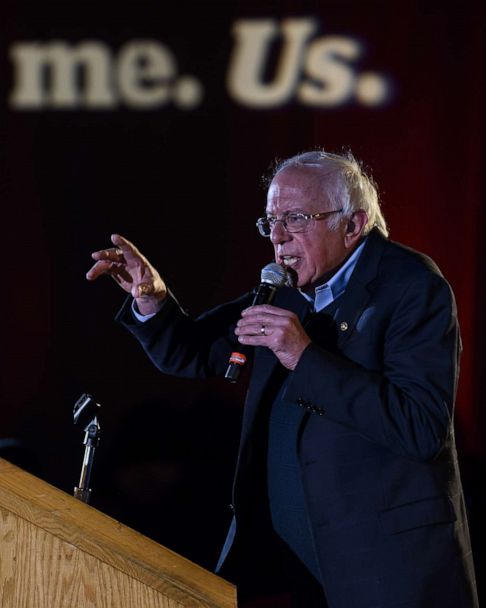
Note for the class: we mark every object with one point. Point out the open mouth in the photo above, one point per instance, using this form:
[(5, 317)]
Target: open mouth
[(288, 260)]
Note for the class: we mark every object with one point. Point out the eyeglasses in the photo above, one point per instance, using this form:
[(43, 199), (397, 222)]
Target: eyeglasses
[(292, 222)]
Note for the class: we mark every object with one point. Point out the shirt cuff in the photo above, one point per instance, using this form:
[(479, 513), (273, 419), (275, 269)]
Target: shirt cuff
[(139, 316)]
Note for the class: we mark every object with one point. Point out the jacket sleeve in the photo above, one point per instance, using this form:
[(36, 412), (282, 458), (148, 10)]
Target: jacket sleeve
[(181, 346), (408, 404)]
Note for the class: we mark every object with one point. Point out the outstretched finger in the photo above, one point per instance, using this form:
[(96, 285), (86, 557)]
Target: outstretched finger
[(114, 254), (116, 270), (101, 267), (126, 247)]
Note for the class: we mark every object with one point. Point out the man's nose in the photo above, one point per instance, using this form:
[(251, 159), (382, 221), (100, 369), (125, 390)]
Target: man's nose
[(279, 234)]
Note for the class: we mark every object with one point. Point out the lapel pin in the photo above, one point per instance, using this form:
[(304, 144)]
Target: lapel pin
[(343, 326)]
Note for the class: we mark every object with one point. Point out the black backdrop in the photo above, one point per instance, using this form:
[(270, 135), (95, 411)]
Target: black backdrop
[(402, 84)]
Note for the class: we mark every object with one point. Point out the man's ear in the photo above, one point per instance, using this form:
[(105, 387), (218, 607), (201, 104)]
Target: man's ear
[(354, 229)]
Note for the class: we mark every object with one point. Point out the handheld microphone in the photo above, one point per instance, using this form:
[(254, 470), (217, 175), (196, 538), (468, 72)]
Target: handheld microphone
[(273, 276)]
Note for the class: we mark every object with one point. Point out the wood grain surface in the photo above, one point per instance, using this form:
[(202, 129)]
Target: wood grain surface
[(57, 551)]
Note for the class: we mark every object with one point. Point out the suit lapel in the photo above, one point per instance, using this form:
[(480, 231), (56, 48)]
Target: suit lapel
[(358, 291)]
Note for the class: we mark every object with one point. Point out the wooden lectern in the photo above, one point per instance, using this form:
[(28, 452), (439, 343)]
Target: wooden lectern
[(57, 551)]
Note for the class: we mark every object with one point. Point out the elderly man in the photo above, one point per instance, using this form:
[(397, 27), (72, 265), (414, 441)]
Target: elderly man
[(347, 475)]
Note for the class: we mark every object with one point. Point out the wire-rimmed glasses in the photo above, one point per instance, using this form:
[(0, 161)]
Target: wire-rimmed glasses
[(292, 222)]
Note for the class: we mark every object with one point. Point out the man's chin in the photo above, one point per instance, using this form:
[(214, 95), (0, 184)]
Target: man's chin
[(295, 279), (292, 278)]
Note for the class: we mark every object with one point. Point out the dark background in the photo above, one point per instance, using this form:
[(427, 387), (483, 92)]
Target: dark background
[(185, 185)]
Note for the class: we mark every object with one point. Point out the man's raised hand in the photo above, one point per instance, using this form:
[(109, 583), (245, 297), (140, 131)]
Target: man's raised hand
[(132, 271)]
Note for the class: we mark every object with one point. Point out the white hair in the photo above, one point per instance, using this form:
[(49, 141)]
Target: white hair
[(360, 191)]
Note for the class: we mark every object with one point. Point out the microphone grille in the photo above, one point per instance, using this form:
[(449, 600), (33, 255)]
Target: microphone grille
[(274, 274)]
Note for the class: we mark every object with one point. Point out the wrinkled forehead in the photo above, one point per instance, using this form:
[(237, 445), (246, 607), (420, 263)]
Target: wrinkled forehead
[(310, 188)]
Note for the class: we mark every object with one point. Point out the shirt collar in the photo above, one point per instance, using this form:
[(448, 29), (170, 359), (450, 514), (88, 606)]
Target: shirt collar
[(328, 292)]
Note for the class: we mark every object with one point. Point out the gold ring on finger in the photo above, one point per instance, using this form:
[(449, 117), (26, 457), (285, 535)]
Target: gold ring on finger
[(144, 289)]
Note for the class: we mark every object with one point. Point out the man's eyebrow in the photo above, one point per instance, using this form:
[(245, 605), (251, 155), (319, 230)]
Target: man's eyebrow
[(296, 210)]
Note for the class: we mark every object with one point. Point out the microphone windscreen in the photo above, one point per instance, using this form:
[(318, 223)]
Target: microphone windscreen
[(274, 274)]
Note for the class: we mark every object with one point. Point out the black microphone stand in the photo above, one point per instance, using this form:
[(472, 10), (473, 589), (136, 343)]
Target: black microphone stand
[(85, 409)]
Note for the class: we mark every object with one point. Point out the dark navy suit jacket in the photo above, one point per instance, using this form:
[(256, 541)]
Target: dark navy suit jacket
[(375, 440)]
